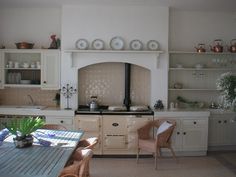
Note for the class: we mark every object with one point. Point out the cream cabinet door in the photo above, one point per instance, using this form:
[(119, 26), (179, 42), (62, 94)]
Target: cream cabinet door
[(50, 72), (194, 134)]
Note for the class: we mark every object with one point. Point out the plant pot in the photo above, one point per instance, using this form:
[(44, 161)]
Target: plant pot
[(25, 141)]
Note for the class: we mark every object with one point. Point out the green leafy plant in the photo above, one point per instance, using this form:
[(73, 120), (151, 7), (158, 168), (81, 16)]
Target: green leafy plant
[(226, 84), (24, 126)]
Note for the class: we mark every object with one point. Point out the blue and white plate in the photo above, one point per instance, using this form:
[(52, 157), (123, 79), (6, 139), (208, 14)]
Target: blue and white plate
[(117, 43), (82, 44)]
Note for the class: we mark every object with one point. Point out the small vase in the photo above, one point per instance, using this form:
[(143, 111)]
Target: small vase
[(23, 141)]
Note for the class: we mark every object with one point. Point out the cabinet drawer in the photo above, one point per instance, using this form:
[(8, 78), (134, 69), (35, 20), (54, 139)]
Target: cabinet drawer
[(66, 121), (194, 122)]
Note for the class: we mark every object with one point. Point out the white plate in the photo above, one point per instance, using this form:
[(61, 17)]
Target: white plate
[(136, 45), (82, 44), (152, 45), (117, 43), (98, 44)]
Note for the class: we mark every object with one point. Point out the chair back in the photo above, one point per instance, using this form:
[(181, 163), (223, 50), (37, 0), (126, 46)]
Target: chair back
[(88, 143), (54, 127), (164, 139), (78, 168)]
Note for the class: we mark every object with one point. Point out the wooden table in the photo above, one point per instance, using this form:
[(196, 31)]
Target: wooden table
[(38, 161)]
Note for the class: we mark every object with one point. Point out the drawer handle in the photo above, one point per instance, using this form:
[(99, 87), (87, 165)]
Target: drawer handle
[(44, 82), (178, 133), (219, 121), (225, 121), (115, 124), (194, 122), (184, 133), (61, 121)]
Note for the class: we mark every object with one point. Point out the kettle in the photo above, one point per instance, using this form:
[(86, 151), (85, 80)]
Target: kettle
[(232, 47), (200, 48), (218, 47), (93, 104)]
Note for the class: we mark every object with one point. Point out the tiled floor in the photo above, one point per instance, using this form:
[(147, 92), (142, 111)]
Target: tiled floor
[(214, 165)]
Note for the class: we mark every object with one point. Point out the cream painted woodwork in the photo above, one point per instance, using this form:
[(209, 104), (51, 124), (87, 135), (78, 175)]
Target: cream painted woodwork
[(222, 129), (50, 79), (190, 135), (61, 120), (197, 73), (114, 134), (91, 125), (1, 69)]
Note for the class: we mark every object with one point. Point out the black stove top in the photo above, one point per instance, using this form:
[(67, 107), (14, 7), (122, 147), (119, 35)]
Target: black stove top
[(103, 110)]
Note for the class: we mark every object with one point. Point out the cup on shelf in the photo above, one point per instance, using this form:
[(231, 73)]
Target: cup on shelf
[(16, 65), (10, 63), (32, 65), (38, 64)]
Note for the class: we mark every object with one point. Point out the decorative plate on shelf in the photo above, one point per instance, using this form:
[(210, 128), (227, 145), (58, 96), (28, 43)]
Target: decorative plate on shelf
[(117, 43), (152, 45), (82, 44), (136, 45), (98, 44)]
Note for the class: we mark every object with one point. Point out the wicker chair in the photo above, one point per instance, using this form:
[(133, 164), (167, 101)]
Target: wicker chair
[(54, 127), (161, 140), (88, 143), (78, 168)]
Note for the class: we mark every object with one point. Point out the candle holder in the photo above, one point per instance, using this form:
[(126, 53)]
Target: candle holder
[(67, 91)]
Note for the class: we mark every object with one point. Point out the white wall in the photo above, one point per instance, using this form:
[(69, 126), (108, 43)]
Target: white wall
[(104, 22), (188, 28), (30, 25)]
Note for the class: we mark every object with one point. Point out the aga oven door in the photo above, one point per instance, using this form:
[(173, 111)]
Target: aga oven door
[(115, 142)]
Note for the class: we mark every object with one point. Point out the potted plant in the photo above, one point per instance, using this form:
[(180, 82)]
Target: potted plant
[(22, 129), (226, 84)]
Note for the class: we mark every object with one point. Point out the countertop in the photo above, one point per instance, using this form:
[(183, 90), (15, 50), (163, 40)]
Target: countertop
[(46, 111)]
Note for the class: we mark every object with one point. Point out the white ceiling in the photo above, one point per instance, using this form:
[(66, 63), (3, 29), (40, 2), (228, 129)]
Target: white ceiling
[(198, 5)]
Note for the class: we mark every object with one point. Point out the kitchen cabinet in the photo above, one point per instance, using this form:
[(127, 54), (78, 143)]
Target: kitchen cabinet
[(50, 70), (91, 125), (191, 72), (61, 120), (222, 130), (190, 136), (31, 68)]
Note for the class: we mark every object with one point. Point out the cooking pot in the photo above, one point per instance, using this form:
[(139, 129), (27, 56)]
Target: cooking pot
[(232, 47), (218, 46), (93, 104), (200, 48)]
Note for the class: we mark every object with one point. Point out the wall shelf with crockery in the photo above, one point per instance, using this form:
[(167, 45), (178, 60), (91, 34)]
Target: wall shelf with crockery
[(198, 72)]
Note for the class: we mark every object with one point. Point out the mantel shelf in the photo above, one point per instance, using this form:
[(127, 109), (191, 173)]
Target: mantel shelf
[(114, 51), (130, 56)]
